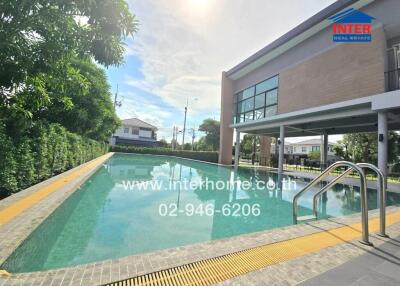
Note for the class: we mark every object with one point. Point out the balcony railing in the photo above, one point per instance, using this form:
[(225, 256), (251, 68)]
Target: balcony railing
[(392, 79)]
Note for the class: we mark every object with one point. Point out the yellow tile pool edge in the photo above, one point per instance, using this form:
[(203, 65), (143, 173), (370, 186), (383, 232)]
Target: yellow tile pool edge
[(11, 211), (218, 269)]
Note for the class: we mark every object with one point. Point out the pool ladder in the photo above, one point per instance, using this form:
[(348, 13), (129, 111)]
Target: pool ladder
[(359, 168)]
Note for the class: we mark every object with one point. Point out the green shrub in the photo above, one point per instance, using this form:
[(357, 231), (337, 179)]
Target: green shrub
[(25, 164), (46, 150), (197, 155), (8, 165), (40, 149)]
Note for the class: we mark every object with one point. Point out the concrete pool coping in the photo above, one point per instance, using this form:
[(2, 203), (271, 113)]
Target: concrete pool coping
[(19, 227)]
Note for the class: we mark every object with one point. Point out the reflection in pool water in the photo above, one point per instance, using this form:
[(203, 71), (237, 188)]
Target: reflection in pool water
[(102, 220)]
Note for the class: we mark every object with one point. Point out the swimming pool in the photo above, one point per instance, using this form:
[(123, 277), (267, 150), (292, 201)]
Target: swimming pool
[(110, 217)]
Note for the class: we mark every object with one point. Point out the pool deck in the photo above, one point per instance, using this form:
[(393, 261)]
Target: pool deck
[(21, 213)]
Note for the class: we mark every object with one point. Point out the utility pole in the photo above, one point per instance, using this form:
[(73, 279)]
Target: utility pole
[(173, 138), (117, 103), (193, 136), (184, 124)]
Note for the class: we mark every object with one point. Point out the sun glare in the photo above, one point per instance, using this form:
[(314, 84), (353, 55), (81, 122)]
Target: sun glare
[(200, 3)]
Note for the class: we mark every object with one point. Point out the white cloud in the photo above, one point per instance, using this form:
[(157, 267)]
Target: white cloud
[(146, 110), (184, 45)]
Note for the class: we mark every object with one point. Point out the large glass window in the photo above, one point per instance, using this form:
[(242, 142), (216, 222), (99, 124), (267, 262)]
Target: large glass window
[(256, 102), (260, 100)]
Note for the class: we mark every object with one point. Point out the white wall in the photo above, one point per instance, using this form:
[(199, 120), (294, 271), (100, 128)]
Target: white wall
[(145, 133), (142, 133)]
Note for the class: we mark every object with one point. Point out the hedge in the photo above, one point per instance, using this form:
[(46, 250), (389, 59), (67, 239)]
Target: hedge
[(197, 155), (46, 150)]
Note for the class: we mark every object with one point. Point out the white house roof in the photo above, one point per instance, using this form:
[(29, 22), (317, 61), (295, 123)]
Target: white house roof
[(310, 142), (135, 122)]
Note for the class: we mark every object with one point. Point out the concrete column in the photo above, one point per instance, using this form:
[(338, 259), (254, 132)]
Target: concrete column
[(265, 150), (276, 152), (281, 149), (226, 133), (382, 142), (237, 149), (324, 151)]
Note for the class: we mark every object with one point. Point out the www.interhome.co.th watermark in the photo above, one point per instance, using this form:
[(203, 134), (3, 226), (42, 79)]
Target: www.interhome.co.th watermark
[(209, 185)]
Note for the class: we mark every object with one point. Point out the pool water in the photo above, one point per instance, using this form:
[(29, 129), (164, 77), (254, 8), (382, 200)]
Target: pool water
[(103, 220)]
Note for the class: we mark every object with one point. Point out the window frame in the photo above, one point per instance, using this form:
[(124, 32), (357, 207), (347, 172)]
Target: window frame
[(135, 129), (239, 115)]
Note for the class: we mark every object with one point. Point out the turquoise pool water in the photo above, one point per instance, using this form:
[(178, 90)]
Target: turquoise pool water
[(104, 220)]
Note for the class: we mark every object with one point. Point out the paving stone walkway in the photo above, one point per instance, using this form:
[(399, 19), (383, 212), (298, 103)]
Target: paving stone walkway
[(379, 266)]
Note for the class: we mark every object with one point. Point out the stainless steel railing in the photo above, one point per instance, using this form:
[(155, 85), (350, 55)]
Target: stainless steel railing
[(381, 190), (363, 193)]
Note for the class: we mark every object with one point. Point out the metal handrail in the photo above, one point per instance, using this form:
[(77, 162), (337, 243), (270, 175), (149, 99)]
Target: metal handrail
[(381, 189), (363, 192), (327, 187)]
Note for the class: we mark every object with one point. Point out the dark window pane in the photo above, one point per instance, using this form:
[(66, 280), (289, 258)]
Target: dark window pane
[(248, 104), (272, 97), (259, 113), (270, 111), (267, 85), (241, 107), (315, 148), (249, 116), (248, 92), (242, 117), (260, 100), (239, 96)]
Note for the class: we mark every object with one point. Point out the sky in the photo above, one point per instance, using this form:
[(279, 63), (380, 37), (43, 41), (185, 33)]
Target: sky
[(181, 48)]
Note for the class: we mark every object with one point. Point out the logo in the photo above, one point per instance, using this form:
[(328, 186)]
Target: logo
[(351, 25)]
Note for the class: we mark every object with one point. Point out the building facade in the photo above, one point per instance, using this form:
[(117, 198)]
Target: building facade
[(305, 147), (306, 83), (135, 132)]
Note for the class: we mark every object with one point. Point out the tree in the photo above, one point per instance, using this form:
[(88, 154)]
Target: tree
[(341, 150), (314, 155), (80, 100), (187, 146), (247, 143), (163, 143), (363, 147), (211, 128), (36, 35), (201, 145)]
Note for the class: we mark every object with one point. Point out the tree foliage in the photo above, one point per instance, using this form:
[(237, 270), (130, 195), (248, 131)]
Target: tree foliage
[(314, 155), (37, 33), (247, 143), (46, 68), (211, 128), (53, 97), (363, 147), (83, 104)]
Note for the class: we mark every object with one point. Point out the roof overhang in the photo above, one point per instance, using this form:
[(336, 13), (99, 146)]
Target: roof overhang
[(357, 115), (305, 30)]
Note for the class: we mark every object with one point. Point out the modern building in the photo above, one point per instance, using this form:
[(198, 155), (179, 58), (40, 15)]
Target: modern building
[(136, 132), (308, 83)]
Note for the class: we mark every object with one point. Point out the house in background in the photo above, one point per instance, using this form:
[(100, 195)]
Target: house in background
[(135, 132), (294, 152)]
